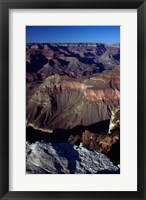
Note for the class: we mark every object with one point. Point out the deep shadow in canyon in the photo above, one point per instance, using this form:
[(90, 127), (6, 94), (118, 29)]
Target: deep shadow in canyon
[(63, 135)]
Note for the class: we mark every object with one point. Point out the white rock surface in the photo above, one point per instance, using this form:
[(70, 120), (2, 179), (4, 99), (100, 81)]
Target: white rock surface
[(63, 158)]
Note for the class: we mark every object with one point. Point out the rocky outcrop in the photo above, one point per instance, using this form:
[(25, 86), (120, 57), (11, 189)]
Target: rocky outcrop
[(105, 142), (104, 137), (64, 102), (114, 121), (99, 142), (61, 158)]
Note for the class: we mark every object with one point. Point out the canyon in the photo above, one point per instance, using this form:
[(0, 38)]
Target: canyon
[(73, 100)]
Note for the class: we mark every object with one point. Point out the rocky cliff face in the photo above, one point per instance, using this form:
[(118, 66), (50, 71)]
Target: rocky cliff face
[(64, 102), (107, 142), (48, 158)]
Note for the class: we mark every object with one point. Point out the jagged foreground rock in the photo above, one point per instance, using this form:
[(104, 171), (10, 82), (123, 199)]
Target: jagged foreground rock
[(62, 158)]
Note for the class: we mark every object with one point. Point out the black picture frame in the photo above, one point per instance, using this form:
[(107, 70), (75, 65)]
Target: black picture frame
[(5, 5)]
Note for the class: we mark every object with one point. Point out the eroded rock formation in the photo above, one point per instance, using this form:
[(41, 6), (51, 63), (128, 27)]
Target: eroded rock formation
[(72, 59), (64, 102), (61, 158), (102, 142)]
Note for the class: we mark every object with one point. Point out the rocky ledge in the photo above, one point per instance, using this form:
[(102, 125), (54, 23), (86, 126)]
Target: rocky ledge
[(62, 158)]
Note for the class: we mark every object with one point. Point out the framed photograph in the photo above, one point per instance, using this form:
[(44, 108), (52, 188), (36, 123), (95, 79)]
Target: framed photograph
[(72, 99)]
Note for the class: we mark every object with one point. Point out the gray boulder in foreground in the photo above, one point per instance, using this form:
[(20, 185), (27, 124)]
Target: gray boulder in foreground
[(63, 158)]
